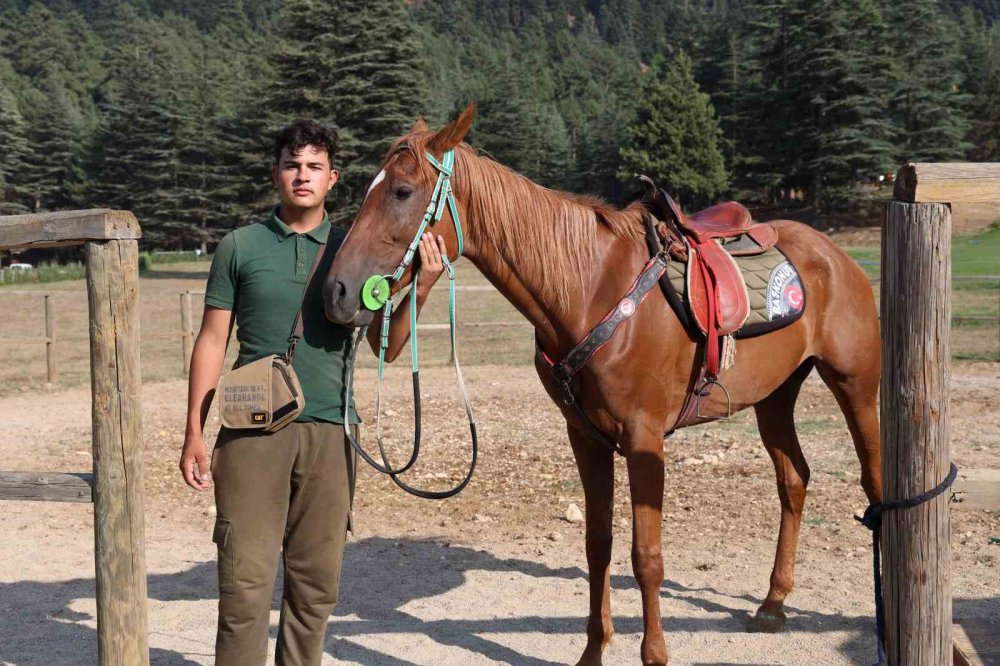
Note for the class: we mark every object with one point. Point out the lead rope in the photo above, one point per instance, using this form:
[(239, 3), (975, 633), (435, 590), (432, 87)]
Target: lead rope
[(872, 519), (441, 196)]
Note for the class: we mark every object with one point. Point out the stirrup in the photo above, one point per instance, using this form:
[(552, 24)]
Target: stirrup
[(700, 392)]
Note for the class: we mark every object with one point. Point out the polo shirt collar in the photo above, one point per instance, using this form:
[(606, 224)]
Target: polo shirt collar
[(283, 231)]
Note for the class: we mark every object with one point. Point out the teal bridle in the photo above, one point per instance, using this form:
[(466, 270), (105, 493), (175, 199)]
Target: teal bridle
[(375, 295)]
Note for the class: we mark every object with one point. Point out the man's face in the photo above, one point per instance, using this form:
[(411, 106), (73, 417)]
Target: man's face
[(303, 179)]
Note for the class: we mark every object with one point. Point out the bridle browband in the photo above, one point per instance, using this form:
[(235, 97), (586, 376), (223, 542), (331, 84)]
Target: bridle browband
[(376, 294)]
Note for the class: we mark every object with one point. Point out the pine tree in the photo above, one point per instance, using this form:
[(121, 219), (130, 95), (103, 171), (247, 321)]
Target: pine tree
[(675, 138), (767, 104), (843, 72), (50, 136), (985, 134), (927, 102), (378, 85), (335, 65), (13, 153), (136, 165), (203, 185), (815, 109), (45, 46), (303, 67), (504, 120), (600, 156)]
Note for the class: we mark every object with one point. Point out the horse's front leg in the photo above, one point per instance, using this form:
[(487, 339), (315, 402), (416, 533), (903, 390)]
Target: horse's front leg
[(644, 457), (597, 469)]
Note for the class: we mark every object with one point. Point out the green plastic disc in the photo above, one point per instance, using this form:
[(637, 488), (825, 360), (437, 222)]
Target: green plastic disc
[(375, 292)]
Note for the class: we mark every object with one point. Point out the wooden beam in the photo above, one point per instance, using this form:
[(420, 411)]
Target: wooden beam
[(46, 487), (187, 332), (52, 367), (977, 490), (66, 228), (977, 642), (119, 530), (474, 324), (961, 182), (915, 431)]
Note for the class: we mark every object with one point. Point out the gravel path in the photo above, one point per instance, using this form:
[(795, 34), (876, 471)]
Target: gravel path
[(496, 575)]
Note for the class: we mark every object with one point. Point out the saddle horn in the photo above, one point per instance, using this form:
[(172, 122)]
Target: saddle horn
[(648, 184)]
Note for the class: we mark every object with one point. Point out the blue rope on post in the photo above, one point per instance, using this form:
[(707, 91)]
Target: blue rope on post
[(872, 519)]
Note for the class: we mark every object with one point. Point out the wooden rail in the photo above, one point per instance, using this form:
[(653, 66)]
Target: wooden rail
[(111, 249), (948, 183), (67, 228), (46, 486), (187, 331)]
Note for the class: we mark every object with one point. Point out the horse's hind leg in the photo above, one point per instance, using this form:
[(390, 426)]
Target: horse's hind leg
[(777, 430), (856, 390), (596, 466)]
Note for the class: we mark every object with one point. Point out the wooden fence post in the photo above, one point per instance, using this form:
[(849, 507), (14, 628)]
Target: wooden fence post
[(119, 532), (52, 370), (187, 331), (916, 376)]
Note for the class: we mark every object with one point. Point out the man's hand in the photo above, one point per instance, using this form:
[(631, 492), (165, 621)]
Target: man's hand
[(194, 462), (432, 253), (431, 265)]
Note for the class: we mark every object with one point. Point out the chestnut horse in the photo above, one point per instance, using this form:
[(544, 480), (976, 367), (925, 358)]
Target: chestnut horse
[(564, 261)]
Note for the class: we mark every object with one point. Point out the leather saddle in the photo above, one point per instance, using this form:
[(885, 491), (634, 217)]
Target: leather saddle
[(707, 241)]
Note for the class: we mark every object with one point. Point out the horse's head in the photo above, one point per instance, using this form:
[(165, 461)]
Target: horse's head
[(391, 215)]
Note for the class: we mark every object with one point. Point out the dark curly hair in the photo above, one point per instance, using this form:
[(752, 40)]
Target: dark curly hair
[(302, 133)]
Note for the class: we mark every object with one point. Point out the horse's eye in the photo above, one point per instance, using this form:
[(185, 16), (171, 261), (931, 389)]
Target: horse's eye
[(403, 192)]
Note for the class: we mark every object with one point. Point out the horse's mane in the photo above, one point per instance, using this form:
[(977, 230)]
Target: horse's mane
[(550, 236)]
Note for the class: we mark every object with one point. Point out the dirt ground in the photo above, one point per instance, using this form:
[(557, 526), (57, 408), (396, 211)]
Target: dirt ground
[(496, 575)]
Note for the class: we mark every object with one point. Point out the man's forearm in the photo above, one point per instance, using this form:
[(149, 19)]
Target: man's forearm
[(206, 367)]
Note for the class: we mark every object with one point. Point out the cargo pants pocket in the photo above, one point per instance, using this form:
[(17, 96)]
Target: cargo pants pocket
[(222, 536)]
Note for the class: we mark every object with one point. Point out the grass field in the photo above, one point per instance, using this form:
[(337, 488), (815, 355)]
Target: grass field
[(972, 256), (22, 364)]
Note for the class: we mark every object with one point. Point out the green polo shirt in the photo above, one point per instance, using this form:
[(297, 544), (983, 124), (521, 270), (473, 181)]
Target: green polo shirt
[(259, 272)]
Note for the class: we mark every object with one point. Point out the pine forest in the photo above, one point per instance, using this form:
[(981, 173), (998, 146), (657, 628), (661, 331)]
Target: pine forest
[(168, 108)]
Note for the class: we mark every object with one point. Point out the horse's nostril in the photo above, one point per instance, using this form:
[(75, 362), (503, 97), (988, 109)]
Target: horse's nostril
[(340, 306), (338, 291)]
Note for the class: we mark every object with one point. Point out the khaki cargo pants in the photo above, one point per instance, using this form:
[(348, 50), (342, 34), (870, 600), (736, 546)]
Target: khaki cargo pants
[(287, 492)]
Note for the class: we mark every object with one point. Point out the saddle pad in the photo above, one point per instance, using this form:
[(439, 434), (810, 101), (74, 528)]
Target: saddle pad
[(777, 297)]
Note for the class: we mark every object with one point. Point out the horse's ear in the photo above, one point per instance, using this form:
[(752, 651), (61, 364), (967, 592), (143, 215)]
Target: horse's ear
[(452, 135), (420, 126)]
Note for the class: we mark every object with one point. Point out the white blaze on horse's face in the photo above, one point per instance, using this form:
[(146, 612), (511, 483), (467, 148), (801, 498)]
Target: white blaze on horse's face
[(378, 179)]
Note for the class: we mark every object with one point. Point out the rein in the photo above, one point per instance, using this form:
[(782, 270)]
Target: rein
[(376, 294)]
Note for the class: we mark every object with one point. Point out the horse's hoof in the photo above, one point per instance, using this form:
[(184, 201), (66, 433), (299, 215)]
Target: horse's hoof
[(767, 622)]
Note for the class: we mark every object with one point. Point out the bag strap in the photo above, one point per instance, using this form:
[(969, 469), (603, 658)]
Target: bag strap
[(299, 325)]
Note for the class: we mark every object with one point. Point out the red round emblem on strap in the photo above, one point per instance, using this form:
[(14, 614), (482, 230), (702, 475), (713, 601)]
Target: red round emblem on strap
[(626, 307)]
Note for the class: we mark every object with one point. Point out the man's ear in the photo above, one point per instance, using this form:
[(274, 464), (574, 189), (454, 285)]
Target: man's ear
[(420, 126), (334, 177), (452, 135)]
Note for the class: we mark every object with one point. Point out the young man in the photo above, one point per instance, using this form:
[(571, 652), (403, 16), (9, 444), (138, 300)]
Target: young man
[(287, 492)]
